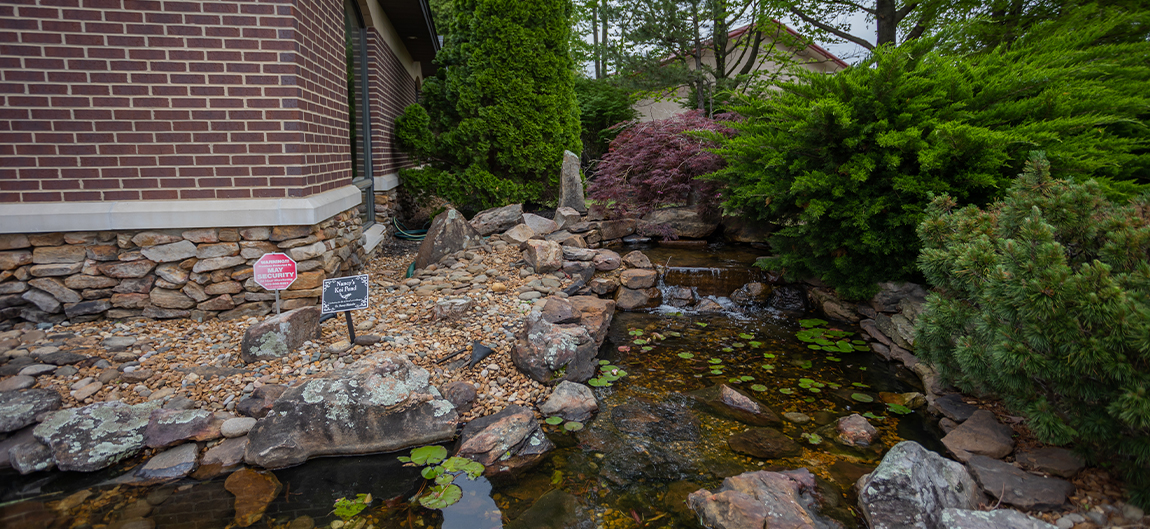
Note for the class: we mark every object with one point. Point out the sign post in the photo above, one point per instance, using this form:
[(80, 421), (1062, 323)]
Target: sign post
[(274, 271), (345, 294)]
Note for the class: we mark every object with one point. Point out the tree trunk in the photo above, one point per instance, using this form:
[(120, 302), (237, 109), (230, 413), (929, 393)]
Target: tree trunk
[(886, 14), (596, 53), (606, 48), (698, 53)]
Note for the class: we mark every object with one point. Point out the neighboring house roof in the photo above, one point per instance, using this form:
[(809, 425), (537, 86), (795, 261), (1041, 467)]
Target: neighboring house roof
[(738, 32)]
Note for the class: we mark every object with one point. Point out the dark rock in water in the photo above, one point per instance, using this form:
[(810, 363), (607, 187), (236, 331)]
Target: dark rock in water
[(549, 353), (171, 427), (279, 336), (254, 491), (981, 434), (679, 296), (662, 421), (708, 306), (173, 463), (1017, 487), (764, 443), (847, 473), (734, 404), (855, 430), (912, 486), (448, 234), (762, 499), (554, 510), (1051, 460), (11, 440), (753, 292), (997, 519), (95, 436), (381, 403), (460, 394), (261, 400), (571, 401), (497, 220), (20, 408), (954, 408), (633, 460), (506, 443), (788, 298)]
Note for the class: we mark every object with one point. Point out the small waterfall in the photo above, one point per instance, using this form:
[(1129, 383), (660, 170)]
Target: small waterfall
[(711, 281)]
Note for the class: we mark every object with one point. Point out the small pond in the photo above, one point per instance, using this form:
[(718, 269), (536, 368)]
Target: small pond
[(632, 465)]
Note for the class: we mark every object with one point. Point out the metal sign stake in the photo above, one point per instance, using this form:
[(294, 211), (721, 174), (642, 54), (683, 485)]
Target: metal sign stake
[(350, 327), (277, 303)]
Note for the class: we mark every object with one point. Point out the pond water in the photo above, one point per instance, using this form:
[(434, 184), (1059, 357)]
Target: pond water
[(632, 465)]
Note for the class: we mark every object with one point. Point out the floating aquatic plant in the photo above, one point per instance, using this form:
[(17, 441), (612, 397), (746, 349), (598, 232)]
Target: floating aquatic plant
[(862, 397), (898, 408), (686, 356), (554, 420), (746, 336), (573, 426), (759, 388), (812, 438)]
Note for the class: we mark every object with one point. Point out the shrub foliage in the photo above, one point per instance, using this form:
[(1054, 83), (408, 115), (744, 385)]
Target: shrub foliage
[(656, 163), (1044, 300), (602, 105), (501, 109)]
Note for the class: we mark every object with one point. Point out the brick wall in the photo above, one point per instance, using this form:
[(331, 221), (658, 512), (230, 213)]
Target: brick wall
[(391, 90), (148, 100)]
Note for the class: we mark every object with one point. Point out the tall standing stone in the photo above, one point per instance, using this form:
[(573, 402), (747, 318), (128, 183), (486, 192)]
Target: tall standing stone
[(571, 184)]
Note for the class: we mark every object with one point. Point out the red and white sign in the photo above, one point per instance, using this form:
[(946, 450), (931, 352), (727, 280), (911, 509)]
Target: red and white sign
[(274, 271)]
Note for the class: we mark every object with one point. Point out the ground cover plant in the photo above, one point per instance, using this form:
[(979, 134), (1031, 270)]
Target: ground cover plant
[(1044, 300)]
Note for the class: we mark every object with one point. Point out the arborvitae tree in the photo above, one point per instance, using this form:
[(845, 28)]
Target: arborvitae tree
[(502, 109), (1043, 299)]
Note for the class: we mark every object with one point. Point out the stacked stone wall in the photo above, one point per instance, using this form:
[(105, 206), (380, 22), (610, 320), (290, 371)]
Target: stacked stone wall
[(195, 273)]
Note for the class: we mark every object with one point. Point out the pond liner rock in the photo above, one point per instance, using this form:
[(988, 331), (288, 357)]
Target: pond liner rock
[(95, 436), (912, 486), (762, 499), (506, 443), (382, 403)]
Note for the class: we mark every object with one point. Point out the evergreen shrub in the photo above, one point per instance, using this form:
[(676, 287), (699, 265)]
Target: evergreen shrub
[(1043, 299), (657, 163), (501, 109)]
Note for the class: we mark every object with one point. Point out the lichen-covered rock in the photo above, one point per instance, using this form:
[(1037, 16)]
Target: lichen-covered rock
[(762, 499), (20, 408), (549, 353), (279, 336), (170, 427), (96, 436), (912, 486), (380, 404), (506, 443), (996, 519)]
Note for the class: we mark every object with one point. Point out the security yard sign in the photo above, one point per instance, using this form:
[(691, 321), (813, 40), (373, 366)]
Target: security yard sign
[(274, 271)]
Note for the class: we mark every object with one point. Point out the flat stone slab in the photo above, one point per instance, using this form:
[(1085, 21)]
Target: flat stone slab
[(20, 408), (765, 443), (981, 434), (734, 404), (954, 408), (1051, 460), (173, 463), (16, 382), (95, 436), (1017, 487), (997, 519)]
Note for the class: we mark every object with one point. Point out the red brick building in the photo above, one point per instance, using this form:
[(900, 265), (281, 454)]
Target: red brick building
[(150, 150)]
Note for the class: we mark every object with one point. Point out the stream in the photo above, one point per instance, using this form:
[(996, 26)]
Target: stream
[(635, 462)]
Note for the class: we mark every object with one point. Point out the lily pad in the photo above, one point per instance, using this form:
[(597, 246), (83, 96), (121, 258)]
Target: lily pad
[(862, 397), (814, 322), (715, 360), (553, 420), (786, 391), (686, 356), (759, 388), (746, 336), (573, 426)]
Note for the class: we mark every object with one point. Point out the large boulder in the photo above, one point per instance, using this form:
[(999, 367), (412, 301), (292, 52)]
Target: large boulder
[(497, 220), (96, 436), (734, 404), (20, 408), (279, 336), (382, 403), (549, 353), (912, 486), (506, 443), (981, 434), (449, 233), (762, 499), (571, 184), (629, 299), (683, 222), (541, 225), (543, 256), (595, 315), (571, 401)]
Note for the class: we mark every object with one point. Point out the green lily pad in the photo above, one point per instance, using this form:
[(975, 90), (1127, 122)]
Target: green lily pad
[(814, 322), (759, 388), (715, 360), (553, 420), (573, 426), (746, 378), (786, 391), (862, 397), (428, 455), (686, 356), (746, 336)]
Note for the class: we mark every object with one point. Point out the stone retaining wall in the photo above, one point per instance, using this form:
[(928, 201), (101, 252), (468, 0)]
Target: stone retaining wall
[(198, 273)]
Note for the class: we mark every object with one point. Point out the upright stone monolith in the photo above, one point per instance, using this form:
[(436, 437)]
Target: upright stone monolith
[(571, 184)]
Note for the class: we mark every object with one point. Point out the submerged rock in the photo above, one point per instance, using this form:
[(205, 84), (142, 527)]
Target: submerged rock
[(554, 510), (662, 421), (254, 491), (380, 404), (95, 436), (912, 486), (506, 443), (734, 404), (855, 430), (765, 443), (20, 408), (762, 499)]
